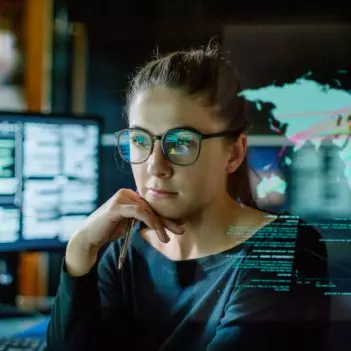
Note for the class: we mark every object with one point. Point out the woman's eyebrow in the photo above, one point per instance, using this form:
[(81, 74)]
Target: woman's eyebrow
[(135, 126), (180, 127)]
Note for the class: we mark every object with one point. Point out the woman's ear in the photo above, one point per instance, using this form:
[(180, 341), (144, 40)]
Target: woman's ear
[(237, 153)]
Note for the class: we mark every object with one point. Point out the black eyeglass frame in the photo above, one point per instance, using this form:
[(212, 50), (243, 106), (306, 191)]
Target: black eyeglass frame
[(202, 136)]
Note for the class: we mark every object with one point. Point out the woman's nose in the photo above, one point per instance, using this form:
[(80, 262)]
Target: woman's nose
[(157, 162), (157, 153)]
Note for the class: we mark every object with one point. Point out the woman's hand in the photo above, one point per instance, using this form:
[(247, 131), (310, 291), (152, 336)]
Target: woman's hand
[(109, 222)]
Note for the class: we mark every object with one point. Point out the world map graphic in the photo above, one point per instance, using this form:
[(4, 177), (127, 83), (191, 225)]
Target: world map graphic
[(309, 111)]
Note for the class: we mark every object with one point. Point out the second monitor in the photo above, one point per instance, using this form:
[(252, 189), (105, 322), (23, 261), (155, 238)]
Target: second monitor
[(49, 178)]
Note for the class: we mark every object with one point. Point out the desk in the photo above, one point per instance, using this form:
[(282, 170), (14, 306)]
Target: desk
[(26, 327)]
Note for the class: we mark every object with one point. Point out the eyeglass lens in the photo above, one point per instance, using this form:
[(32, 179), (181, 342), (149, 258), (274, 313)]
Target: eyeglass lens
[(181, 146)]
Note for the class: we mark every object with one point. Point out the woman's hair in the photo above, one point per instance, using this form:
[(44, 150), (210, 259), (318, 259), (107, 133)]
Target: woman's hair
[(202, 73)]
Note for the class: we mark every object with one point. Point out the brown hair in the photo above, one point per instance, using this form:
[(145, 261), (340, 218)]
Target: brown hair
[(203, 73)]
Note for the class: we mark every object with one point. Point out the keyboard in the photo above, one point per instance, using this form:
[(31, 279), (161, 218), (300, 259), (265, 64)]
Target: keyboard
[(22, 344), (8, 311)]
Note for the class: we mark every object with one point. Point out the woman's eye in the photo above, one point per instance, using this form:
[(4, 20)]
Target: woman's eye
[(185, 142), (139, 142)]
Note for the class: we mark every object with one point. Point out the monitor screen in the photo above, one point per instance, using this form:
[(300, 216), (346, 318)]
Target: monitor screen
[(310, 183), (269, 161), (49, 178)]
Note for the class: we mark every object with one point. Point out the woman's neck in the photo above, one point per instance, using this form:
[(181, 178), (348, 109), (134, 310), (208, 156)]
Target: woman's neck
[(212, 231)]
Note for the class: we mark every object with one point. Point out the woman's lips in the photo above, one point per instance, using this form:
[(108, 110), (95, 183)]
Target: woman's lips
[(161, 193)]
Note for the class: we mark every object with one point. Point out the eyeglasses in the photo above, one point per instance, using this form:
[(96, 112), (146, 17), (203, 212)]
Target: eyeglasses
[(181, 145)]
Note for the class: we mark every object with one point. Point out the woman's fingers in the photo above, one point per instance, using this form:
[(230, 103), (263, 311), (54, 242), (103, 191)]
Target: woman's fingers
[(173, 227), (142, 214), (168, 223)]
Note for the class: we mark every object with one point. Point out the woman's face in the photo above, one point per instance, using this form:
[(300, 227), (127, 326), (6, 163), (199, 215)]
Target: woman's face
[(196, 186)]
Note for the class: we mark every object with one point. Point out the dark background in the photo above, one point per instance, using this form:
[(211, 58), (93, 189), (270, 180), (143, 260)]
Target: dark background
[(123, 35)]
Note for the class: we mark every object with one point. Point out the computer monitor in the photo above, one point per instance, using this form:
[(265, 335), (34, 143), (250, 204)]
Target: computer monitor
[(49, 178), (269, 159), (305, 181)]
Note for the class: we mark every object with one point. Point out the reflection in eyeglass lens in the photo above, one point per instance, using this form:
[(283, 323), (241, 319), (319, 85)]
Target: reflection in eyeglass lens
[(181, 146)]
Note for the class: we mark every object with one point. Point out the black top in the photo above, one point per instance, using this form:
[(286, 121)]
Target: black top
[(268, 292)]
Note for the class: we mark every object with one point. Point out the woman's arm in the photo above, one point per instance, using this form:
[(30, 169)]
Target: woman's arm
[(89, 312)]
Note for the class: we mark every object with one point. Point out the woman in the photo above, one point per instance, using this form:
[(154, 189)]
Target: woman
[(206, 269)]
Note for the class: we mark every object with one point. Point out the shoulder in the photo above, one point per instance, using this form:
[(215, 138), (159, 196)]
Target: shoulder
[(287, 250), (289, 237), (309, 248), (305, 234), (311, 251), (293, 226)]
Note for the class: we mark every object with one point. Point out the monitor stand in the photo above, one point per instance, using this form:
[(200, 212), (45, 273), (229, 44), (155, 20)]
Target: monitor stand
[(8, 287)]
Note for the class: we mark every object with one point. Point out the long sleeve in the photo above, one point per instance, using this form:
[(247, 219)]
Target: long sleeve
[(257, 318), (89, 312)]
